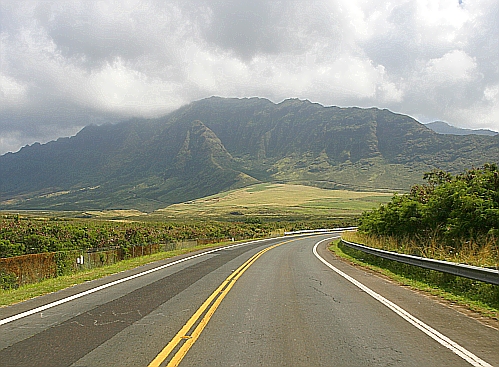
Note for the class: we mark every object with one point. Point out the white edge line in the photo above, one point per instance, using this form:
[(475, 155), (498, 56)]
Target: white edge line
[(434, 334), (107, 285)]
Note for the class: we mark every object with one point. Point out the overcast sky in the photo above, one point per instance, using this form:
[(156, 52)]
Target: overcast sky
[(66, 64)]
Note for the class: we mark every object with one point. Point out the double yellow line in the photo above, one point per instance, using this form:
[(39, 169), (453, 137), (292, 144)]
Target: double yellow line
[(185, 336)]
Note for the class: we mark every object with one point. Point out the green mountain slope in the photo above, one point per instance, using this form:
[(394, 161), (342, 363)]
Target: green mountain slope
[(218, 144)]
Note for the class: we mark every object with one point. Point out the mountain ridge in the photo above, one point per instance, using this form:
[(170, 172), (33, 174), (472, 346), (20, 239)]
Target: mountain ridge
[(442, 127), (217, 144)]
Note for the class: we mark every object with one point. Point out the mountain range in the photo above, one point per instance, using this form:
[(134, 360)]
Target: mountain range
[(442, 127), (217, 144)]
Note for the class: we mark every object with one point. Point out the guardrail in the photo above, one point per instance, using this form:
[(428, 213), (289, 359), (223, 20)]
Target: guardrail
[(472, 272), (312, 231)]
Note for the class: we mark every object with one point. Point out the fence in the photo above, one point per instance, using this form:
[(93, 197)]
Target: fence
[(27, 269)]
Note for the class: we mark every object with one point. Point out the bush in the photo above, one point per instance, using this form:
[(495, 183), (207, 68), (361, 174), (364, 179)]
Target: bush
[(8, 280), (64, 262), (8, 249), (453, 208)]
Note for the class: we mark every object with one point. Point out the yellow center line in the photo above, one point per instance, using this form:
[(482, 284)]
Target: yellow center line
[(214, 300)]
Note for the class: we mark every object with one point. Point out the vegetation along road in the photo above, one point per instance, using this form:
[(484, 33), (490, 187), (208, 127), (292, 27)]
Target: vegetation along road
[(278, 302)]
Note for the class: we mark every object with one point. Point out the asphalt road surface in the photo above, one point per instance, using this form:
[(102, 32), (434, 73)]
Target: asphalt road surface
[(265, 303)]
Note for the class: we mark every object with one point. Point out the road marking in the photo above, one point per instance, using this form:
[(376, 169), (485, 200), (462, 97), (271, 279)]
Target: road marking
[(206, 311), (432, 333), (107, 285)]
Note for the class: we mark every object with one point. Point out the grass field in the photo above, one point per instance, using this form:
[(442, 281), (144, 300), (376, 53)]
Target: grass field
[(266, 201), (272, 201)]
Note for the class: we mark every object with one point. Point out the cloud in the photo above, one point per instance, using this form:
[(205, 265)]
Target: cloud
[(453, 67), (64, 65)]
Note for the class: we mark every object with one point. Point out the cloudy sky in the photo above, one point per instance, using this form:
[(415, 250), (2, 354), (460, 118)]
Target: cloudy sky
[(66, 64)]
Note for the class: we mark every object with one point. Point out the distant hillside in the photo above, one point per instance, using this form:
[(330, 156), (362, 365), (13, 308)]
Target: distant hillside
[(218, 144), (444, 128)]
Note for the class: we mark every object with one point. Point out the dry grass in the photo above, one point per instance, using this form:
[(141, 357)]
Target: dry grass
[(109, 214), (277, 200)]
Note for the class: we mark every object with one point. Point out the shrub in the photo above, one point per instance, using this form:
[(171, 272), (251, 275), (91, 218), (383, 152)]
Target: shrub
[(8, 280), (453, 208)]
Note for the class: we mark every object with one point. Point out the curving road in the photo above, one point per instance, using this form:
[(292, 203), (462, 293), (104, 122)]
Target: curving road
[(264, 303)]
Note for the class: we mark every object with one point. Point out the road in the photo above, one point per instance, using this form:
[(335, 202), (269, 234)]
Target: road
[(266, 303)]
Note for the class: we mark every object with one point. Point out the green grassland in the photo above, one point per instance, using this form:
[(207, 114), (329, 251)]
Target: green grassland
[(273, 201), (265, 201)]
